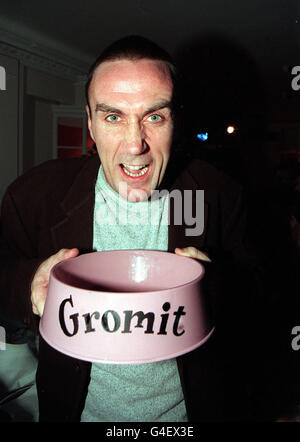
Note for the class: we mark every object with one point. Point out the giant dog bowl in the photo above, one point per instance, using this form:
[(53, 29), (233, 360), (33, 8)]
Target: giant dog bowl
[(126, 307)]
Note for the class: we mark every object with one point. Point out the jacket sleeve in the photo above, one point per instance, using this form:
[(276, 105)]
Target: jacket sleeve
[(18, 264)]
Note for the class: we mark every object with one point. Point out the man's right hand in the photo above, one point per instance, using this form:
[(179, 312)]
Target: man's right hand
[(40, 280)]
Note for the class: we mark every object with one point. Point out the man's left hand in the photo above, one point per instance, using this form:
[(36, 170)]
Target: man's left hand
[(192, 252)]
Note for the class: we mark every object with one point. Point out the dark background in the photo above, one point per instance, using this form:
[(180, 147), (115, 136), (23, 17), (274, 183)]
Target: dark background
[(236, 59)]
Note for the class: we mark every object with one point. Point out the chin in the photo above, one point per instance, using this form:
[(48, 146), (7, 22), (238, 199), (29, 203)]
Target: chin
[(137, 195)]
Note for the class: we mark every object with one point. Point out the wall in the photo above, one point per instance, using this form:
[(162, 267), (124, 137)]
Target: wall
[(42, 91), (9, 123), (26, 123)]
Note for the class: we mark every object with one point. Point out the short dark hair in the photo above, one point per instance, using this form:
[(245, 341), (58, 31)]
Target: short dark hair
[(134, 47)]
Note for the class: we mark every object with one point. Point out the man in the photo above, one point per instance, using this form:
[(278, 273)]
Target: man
[(52, 213)]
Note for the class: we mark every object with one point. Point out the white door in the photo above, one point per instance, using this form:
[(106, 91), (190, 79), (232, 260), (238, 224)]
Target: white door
[(9, 111)]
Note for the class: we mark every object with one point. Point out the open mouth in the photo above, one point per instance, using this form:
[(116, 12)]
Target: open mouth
[(134, 171)]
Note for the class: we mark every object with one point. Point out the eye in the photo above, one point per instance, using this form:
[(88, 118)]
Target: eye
[(154, 118), (113, 118)]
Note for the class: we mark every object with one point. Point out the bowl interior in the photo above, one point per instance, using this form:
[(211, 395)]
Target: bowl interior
[(128, 271)]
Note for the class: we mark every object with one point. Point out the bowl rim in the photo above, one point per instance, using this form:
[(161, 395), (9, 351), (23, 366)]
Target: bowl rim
[(193, 281)]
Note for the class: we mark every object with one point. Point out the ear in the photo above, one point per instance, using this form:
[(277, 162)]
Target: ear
[(89, 121)]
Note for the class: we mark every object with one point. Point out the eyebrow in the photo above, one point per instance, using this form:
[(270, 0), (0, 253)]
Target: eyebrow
[(102, 107), (160, 105)]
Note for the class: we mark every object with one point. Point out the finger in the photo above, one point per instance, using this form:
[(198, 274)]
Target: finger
[(43, 272), (41, 279), (192, 252), (38, 299), (70, 253), (40, 307), (35, 310), (61, 255)]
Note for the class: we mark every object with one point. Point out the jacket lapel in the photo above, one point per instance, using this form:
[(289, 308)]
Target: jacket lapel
[(76, 227)]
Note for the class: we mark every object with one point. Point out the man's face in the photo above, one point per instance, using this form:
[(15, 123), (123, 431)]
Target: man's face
[(131, 124)]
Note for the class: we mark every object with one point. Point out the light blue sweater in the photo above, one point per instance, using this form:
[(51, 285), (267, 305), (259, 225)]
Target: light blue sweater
[(132, 392)]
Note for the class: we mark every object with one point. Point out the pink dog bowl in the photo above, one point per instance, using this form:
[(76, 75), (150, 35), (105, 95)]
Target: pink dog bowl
[(126, 307)]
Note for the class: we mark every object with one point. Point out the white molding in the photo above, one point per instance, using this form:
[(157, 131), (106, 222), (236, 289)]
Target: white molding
[(20, 120), (39, 52)]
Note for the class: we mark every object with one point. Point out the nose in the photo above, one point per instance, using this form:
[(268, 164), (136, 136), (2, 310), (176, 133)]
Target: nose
[(135, 139)]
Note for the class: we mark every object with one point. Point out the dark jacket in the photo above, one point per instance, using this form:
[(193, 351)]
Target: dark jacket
[(51, 207)]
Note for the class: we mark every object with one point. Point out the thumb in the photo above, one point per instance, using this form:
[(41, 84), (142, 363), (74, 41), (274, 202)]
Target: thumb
[(64, 254), (61, 255), (192, 252)]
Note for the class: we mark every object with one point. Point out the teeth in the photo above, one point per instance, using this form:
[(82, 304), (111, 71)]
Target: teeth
[(143, 171), (133, 167)]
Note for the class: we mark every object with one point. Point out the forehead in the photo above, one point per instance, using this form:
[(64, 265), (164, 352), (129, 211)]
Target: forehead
[(131, 78)]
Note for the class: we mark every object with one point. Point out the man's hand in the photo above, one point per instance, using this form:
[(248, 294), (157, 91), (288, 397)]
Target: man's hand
[(40, 280), (192, 252)]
